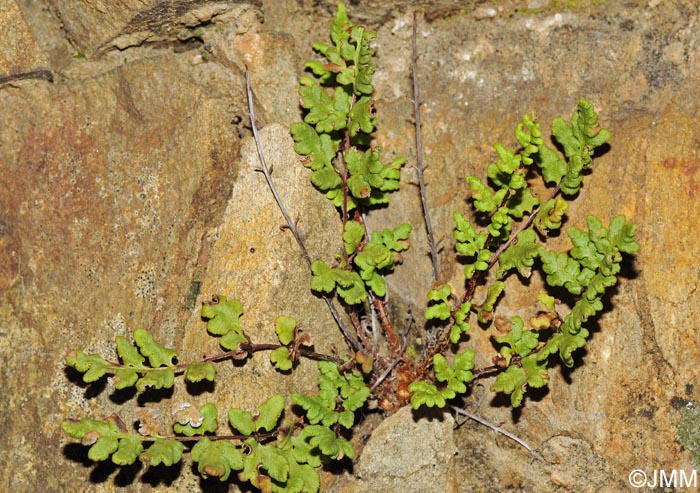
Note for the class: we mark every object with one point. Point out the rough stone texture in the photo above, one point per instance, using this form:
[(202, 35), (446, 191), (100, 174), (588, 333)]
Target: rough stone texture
[(129, 180), (97, 26), (385, 462), (20, 53), (255, 261)]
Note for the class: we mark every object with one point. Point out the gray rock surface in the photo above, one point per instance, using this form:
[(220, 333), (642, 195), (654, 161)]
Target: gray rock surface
[(128, 182), (415, 451)]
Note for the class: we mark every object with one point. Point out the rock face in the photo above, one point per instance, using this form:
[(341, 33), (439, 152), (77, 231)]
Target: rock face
[(128, 194), (408, 450)]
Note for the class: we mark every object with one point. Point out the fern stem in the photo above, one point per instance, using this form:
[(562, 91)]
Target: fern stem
[(521, 227), (419, 156), (291, 225), (497, 429)]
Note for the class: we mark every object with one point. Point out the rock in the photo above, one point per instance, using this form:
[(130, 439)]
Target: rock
[(20, 57), (409, 452), (256, 261), (128, 186), (95, 27)]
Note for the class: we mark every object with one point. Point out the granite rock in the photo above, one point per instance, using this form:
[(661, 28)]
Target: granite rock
[(128, 195)]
